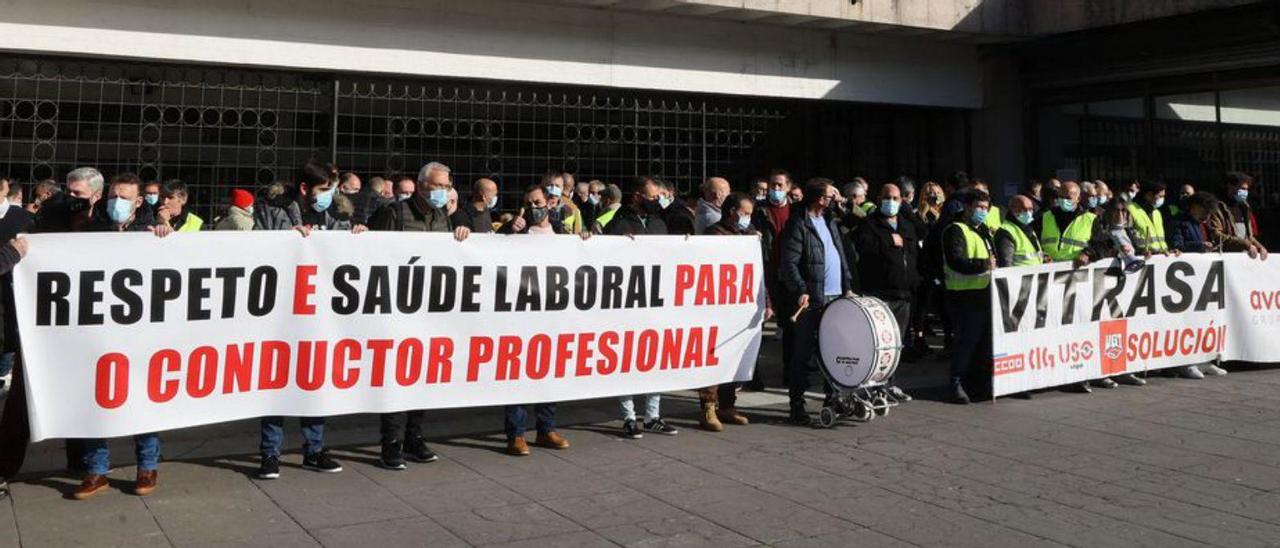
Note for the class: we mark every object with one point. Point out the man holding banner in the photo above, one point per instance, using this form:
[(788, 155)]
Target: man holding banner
[(424, 211), (124, 201)]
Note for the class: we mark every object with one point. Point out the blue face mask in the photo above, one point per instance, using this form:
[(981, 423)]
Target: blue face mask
[(777, 196), (119, 210), (1159, 203), (1066, 205), (1093, 202), (744, 221), (1242, 195), (438, 197), (593, 199), (153, 199), (403, 197), (555, 191), (1102, 200), (664, 201), (1025, 217), (979, 216), (890, 207), (324, 200)]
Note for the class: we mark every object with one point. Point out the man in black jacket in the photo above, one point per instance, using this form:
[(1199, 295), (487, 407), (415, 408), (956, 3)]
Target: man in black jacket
[(969, 258), (14, 435), (888, 245), (814, 271)]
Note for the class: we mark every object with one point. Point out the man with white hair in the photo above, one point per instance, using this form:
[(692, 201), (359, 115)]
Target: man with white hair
[(75, 209), (424, 211)]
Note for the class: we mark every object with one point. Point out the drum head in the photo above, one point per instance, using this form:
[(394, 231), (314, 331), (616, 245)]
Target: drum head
[(847, 344)]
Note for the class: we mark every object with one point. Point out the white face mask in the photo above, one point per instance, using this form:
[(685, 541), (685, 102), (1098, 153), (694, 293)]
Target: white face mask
[(491, 202)]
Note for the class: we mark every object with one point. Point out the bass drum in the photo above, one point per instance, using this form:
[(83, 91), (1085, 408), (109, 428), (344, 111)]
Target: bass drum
[(859, 342)]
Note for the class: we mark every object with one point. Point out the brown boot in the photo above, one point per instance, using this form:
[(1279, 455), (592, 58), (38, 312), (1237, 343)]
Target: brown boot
[(517, 447), (729, 415), (551, 440), (92, 485), (146, 483), (709, 421)]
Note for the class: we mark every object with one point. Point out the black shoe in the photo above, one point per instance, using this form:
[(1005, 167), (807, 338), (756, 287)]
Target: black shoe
[(392, 456), (1021, 396), (321, 462), (958, 396), (270, 468), (631, 430), (754, 385), (799, 417), (416, 450), (4, 489)]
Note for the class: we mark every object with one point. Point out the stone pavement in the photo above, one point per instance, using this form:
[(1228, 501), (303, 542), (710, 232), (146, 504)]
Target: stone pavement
[(1176, 463)]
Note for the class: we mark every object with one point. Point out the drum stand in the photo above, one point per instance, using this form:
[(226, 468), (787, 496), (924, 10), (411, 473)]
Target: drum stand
[(861, 404)]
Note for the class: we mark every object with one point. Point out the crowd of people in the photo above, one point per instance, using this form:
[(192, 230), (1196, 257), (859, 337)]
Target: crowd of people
[(924, 250)]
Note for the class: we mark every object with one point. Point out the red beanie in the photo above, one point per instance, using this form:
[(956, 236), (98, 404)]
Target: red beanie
[(241, 198)]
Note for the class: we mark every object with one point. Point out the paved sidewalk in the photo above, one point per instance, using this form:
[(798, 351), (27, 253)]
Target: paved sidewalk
[(1176, 463)]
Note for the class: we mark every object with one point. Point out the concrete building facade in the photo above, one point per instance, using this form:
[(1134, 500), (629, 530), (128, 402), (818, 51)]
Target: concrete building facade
[(240, 92)]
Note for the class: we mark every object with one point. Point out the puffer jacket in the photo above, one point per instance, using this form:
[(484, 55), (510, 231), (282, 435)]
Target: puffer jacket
[(803, 259)]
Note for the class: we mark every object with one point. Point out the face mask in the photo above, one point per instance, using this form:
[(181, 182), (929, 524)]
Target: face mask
[(1103, 200), (744, 221), (535, 215), (762, 195), (1159, 203), (1066, 205), (936, 199), (593, 199), (1242, 195), (777, 196), (249, 210), (349, 192), (664, 201), (1025, 217), (403, 197), (438, 197), (890, 207), (555, 191), (119, 210), (491, 202), (979, 216), (1093, 202), (153, 199), (323, 200)]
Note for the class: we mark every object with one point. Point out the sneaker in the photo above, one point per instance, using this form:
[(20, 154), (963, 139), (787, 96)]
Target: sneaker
[(898, 394), (270, 468), (417, 451), (1190, 372), (1105, 383), (659, 426), (392, 457), (958, 396), (321, 462), (1131, 380), (1212, 369), (630, 430), (1081, 388)]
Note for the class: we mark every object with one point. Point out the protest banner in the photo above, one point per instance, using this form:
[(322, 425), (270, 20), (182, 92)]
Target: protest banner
[(1054, 324), (129, 333)]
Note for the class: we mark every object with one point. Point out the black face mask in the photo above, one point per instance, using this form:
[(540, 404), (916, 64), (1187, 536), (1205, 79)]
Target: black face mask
[(651, 207), (76, 205), (535, 215)]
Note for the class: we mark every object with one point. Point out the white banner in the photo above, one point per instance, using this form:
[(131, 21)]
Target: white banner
[(1054, 325), (129, 333)]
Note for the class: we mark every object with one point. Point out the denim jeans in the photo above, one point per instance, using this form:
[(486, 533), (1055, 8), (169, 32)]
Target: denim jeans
[(516, 415), (97, 457), (273, 435), (651, 402)]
